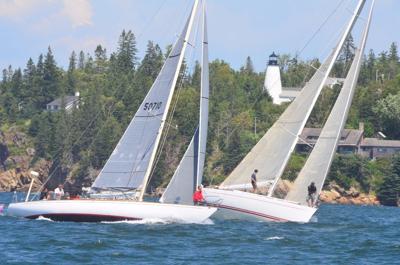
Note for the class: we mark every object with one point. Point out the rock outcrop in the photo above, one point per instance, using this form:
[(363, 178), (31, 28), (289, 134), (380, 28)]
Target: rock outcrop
[(336, 194), (17, 161)]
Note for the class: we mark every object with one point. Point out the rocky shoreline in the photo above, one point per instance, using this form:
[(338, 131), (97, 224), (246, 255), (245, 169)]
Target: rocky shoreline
[(20, 180), (15, 173), (333, 194)]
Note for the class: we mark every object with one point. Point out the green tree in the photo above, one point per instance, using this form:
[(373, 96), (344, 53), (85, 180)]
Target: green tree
[(388, 192), (387, 111), (127, 51)]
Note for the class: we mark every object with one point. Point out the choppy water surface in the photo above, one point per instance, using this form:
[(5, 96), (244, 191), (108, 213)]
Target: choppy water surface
[(337, 235)]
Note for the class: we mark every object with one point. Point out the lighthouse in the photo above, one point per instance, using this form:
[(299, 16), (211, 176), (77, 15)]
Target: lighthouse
[(272, 81)]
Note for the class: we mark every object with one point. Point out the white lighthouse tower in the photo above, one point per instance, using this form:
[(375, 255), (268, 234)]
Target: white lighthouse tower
[(272, 81)]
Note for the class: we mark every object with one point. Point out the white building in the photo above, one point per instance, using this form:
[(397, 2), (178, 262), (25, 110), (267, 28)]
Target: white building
[(67, 102), (273, 83)]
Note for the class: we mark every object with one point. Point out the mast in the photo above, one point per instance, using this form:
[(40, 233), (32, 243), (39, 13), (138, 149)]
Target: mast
[(164, 116), (204, 96), (319, 161)]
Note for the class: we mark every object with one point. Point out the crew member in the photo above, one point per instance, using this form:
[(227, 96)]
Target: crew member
[(59, 192), (44, 194), (312, 194), (254, 180), (198, 196)]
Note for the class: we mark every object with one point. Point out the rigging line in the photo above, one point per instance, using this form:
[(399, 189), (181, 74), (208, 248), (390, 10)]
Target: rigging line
[(69, 150), (149, 21), (315, 33), (297, 136), (320, 27), (180, 87)]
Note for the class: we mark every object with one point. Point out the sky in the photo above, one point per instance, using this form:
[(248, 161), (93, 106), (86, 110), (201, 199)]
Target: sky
[(237, 28)]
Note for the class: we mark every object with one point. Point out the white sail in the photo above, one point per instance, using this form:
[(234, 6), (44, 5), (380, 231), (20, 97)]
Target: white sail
[(182, 184), (130, 164), (318, 163), (204, 95), (190, 170), (271, 154)]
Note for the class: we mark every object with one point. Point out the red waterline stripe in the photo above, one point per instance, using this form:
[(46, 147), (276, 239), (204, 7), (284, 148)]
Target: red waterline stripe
[(77, 217), (272, 218)]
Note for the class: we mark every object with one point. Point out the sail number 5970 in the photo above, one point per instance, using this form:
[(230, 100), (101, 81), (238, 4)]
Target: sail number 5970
[(152, 106)]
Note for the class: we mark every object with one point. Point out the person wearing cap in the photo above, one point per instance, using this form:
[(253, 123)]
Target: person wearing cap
[(198, 198), (312, 192), (253, 179)]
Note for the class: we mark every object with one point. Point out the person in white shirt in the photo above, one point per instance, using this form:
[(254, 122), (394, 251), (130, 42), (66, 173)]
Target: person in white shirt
[(59, 192)]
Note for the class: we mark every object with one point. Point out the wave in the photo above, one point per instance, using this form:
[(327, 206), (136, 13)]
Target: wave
[(41, 218), (275, 238)]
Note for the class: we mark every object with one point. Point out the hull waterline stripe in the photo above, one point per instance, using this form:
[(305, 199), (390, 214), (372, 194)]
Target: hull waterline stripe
[(269, 217), (77, 217)]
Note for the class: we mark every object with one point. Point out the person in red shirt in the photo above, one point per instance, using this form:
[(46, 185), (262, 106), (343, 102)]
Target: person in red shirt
[(198, 196)]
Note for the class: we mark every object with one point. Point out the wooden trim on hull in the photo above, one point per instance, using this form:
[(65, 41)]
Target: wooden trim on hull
[(268, 217), (78, 217)]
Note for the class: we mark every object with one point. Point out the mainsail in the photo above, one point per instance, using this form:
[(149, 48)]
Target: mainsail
[(271, 154), (130, 164), (190, 170), (318, 163)]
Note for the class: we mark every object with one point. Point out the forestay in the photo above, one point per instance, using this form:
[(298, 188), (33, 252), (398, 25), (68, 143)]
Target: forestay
[(271, 154), (318, 163), (131, 161), (190, 170)]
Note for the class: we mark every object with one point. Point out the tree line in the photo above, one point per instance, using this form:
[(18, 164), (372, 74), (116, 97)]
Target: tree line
[(112, 85)]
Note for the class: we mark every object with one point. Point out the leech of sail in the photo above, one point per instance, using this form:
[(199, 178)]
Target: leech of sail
[(319, 161)]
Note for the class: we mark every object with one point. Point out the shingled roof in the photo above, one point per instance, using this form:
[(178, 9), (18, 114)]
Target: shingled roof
[(349, 137)]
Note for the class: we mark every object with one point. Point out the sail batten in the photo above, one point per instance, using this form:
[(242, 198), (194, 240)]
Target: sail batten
[(319, 161), (271, 154), (131, 161)]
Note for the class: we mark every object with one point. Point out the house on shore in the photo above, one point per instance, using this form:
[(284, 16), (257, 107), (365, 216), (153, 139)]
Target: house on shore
[(67, 103), (352, 141)]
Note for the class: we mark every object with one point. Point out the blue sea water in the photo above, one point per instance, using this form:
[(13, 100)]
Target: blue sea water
[(337, 235)]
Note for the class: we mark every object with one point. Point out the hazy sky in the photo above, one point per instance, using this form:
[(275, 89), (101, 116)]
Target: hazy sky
[(237, 28)]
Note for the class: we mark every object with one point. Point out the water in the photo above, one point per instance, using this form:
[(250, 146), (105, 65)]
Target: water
[(337, 235)]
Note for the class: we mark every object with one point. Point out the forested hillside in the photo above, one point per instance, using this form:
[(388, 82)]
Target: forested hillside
[(112, 85)]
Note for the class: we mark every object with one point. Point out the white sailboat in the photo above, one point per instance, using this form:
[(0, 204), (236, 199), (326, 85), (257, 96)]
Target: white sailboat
[(129, 167), (272, 153)]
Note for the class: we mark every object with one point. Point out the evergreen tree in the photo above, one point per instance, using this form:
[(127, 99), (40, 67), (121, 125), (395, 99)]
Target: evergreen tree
[(388, 192), (393, 53), (100, 59), (51, 77), (249, 68), (127, 51), (71, 79), (81, 60)]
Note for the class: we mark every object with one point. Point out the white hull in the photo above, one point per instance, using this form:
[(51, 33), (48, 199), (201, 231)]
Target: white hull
[(109, 210), (235, 204)]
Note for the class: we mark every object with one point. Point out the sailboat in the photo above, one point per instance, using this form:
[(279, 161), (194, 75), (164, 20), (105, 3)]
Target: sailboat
[(271, 154), (129, 167)]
